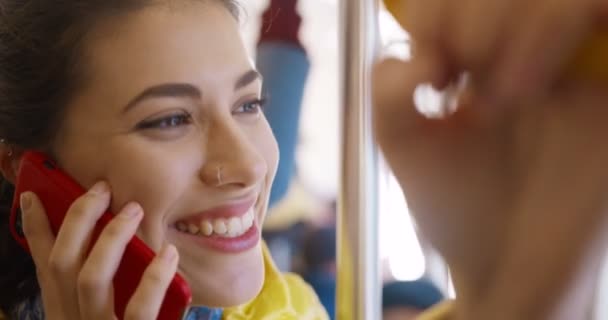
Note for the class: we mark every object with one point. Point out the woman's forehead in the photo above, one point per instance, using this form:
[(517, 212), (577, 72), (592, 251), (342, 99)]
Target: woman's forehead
[(201, 45)]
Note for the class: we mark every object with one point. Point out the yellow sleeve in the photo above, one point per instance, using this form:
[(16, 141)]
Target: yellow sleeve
[(284, 296), (439, 312), (304, 299)]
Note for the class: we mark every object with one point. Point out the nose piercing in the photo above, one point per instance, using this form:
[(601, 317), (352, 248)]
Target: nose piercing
[(219, 174)]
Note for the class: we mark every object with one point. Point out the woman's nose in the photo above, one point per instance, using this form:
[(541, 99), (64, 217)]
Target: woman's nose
[(232, 159)]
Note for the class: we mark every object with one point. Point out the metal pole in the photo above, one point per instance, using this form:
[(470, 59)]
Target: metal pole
[(358, 288)]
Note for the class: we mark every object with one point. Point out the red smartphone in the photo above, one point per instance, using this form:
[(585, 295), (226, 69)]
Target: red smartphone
[(57, 191)]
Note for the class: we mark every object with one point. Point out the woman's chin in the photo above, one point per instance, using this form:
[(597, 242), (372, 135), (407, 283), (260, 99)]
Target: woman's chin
[(231, 286), (228, 297)]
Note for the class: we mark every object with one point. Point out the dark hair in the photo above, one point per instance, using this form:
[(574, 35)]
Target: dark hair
[(41, 53)]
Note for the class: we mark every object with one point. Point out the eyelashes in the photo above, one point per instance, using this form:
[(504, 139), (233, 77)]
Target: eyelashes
[(183, 118), (166, 122), (252, 107)]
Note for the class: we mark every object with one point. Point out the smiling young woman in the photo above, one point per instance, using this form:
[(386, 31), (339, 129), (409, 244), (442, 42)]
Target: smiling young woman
[(156, 107)]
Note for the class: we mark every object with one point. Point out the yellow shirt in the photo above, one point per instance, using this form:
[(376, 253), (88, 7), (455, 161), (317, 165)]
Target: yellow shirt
[(284, 296)]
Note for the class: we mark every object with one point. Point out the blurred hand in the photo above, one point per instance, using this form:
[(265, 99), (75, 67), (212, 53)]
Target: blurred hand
[(514, 197), (513, 48)]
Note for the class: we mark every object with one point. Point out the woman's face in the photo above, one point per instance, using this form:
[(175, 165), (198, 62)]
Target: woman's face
[(169, 116)]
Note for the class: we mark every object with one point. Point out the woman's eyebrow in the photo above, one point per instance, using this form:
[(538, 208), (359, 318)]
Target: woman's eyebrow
[(165, 90), (247, 78), (185, 90)]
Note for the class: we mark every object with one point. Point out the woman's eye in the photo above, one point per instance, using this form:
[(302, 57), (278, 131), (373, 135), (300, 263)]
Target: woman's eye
[(252, 107), (166, 122)]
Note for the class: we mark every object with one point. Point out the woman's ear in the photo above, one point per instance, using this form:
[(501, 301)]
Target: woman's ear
[(10, 158)]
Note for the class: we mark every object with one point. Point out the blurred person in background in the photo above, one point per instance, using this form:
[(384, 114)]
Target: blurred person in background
[(320, 265), (283, 62), (406, 300)]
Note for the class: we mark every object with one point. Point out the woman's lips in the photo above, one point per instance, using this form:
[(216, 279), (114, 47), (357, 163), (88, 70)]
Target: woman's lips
[(240, 243), (226, 228), (228, 210)]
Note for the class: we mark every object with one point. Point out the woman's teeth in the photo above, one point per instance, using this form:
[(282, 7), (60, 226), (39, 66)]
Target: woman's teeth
[(229, 228)]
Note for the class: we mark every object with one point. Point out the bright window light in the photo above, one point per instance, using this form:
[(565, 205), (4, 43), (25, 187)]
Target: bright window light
[(398, 241)]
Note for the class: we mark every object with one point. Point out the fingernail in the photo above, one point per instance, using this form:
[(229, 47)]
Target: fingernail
[(130, 211), (168, 253), (99, 188), (25, 200)]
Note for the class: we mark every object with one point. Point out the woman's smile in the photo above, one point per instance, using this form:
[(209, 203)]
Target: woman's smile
[(231, 227)]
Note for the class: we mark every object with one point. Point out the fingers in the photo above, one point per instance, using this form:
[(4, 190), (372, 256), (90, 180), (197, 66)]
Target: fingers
[(545, 37), (147, 299), (95, 278), (37, 229), (515, 48), (72, 241), (58, 258), (393, 86), (423, 20), (476, 31), (40, 240), (72, 238), (76, 287)]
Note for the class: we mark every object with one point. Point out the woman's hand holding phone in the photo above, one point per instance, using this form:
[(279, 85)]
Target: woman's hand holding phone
[(76, 278)]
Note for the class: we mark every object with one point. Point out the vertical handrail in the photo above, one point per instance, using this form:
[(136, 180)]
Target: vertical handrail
[(358, 292)]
